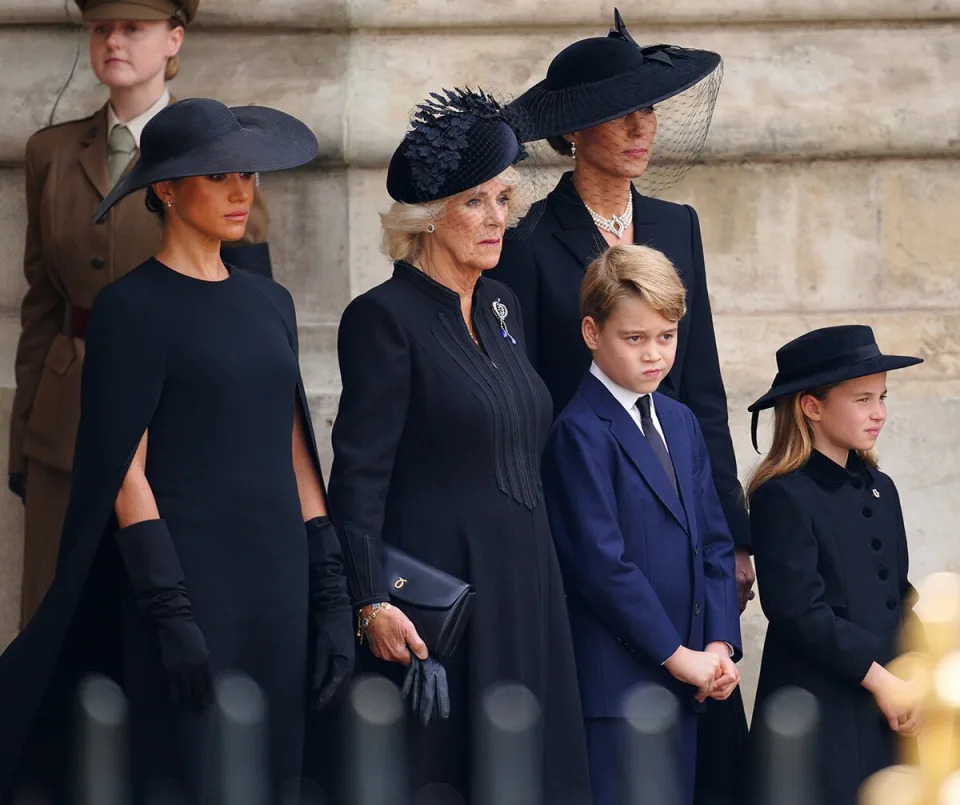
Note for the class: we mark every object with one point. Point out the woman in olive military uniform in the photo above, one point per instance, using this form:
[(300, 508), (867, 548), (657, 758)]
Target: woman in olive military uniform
[(70, 167)]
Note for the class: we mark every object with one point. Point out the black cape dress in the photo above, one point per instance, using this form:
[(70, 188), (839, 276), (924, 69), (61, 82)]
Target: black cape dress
[(437, 447), (211, 370)]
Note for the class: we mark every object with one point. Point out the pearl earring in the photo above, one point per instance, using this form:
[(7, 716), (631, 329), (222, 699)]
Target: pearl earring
[(167, 203), (431, 228), (573, 150)]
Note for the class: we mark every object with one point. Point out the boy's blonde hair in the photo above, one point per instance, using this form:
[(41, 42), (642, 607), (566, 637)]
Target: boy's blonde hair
[(629, 270)]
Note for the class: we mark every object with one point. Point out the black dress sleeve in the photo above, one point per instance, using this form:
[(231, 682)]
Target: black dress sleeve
[(792, 590), (375, 369), (704, 394)]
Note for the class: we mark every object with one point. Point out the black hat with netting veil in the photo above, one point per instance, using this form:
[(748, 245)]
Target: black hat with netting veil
[(200, 137), (600, 79), (458, 139)]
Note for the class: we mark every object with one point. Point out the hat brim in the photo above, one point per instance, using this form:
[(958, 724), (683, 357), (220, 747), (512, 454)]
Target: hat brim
[(124, 11), (550, 112), (267, 140), (870, 366)]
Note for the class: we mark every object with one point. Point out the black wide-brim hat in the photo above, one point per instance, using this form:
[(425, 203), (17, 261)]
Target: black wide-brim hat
[(200, 137), (825, 356), (600, 79), (458, 139)]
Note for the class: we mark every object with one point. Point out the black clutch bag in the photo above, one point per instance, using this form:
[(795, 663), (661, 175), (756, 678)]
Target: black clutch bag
[(438, 604)]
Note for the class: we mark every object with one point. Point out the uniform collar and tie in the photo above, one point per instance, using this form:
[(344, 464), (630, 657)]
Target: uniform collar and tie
[(123, 139)]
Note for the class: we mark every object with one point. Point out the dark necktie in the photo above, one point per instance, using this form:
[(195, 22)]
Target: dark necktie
[(653, 438)]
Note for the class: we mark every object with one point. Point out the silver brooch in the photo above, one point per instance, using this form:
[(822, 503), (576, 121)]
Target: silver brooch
[(501, 312), (876, 494)]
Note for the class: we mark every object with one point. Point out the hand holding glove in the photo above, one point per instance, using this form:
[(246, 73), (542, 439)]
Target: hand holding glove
[(426, 685)]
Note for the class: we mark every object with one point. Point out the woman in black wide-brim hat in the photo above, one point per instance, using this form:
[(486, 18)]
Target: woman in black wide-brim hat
[(633, 120), (831, 553), (196, 539), (437, 445)]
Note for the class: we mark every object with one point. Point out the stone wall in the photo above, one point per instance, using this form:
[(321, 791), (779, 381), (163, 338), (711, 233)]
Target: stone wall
[(829, 192)]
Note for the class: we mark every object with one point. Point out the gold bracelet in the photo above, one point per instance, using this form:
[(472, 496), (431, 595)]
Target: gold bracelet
[(363, 623)]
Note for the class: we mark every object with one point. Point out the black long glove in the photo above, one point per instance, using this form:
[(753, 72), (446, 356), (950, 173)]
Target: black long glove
[(17, 481), (334, 651), (426, 685), (161, 593)]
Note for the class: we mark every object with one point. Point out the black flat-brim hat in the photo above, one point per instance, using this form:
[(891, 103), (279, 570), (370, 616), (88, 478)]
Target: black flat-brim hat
[(825, 356), (200, 137), (600, 79)]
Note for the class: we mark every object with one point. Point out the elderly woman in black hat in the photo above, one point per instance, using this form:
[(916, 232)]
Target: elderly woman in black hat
[(197, 538), (831, 552), (437, 446), (632, 119)]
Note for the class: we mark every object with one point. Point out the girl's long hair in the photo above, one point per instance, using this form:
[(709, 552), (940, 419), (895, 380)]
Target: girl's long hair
[(792, 440)]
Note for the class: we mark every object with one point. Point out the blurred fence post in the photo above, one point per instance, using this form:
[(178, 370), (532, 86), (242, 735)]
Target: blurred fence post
[(240, 742), (650, 746), (789, 768), (509, 763), (376, 748), (101, 743)]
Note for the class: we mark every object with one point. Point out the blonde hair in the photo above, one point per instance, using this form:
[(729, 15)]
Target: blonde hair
[(404, 226), (173, 63), (629, 270), (793, 440)]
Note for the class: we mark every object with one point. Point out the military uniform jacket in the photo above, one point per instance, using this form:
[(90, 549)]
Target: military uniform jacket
[(831, 556), (67, 260)]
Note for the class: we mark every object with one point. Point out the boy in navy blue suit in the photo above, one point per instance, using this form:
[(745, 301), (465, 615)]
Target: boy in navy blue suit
[(646, 555)]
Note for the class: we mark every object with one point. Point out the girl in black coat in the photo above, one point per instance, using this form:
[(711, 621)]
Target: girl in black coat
[(831, 552), (628, 114)]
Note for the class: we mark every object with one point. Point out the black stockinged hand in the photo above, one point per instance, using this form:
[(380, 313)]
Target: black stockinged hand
[(426, 687), (161, 593), (332, 616)]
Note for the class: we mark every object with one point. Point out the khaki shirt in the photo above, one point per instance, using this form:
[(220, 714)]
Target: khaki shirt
[(67, 260)]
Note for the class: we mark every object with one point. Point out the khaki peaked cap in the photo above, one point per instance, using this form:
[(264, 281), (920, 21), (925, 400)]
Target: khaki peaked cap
[(183, 10)]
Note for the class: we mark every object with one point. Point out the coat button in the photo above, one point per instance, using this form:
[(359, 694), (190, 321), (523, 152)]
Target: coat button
[(883, 574), (867, 512), (891, 605), (696, 550), (696, 610), (98, 262), (876, 544)]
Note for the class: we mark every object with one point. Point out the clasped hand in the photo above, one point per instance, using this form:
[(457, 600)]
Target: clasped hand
[(712, 671)]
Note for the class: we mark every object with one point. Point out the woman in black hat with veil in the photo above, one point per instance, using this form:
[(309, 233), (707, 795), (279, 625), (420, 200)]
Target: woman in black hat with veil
[(196, 539), (633, 120)]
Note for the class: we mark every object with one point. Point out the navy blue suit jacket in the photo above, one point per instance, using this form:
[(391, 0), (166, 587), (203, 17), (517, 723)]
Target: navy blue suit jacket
[(645, 570)]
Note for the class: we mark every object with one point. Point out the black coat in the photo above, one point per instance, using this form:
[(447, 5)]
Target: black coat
[(546, 270), (831, 556), (437, 448), (211, 373)]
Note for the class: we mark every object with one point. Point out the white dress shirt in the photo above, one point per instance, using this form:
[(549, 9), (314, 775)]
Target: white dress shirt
[(137, 123), (628, 399)]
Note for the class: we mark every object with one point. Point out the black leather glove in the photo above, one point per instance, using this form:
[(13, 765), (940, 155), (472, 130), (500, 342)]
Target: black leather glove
[(332, 615), (17, 481), (426, 685), (160, 590)]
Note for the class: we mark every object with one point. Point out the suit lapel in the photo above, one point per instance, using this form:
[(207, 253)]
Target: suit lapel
[(636, 447), (578, 233), (678, 444), (93, 153)]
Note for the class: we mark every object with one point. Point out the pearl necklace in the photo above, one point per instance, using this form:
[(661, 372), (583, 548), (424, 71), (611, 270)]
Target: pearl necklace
[(616, 223)]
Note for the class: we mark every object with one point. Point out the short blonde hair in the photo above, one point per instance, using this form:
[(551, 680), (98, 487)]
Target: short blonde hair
[(404, 226), (632, 271)]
